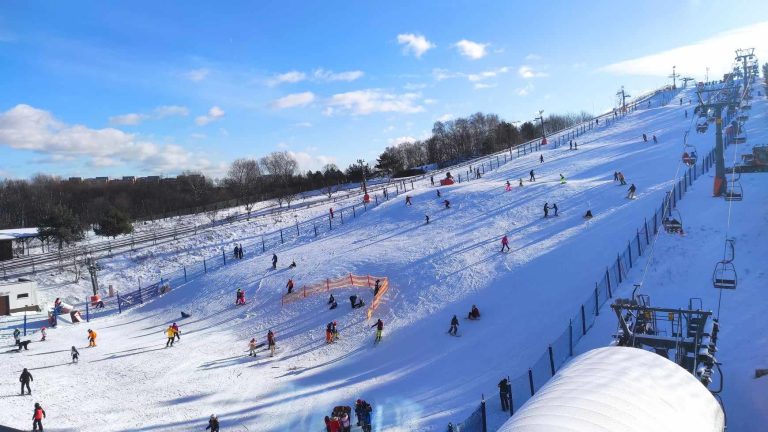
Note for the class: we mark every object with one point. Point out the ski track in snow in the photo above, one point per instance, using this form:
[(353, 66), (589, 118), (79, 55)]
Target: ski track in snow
[(417, 378)]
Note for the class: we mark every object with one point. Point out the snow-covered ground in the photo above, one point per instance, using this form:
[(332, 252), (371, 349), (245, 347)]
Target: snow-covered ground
[(418, 378)]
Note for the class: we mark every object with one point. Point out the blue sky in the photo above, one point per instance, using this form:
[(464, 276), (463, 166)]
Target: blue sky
[(137, 88)]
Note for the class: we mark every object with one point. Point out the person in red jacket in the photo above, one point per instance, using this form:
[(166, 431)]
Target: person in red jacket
[(37, 417), (504, 243), (289, 285), (332, 424)]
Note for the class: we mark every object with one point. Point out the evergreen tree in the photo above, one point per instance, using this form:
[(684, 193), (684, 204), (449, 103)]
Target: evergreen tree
[(61, 225), (113, 223)]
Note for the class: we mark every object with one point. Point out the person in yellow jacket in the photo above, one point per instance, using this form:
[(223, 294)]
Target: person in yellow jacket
[(171, 333), (91, 338)]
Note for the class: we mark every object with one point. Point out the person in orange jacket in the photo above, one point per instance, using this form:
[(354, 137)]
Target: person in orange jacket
[(171, 333), (91, 338)]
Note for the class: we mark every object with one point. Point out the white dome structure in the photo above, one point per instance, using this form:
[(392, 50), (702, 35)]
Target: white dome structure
[(620, 389)]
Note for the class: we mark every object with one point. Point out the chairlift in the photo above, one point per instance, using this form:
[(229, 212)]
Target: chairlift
[(673, 222), (724, 276), (733, 190)]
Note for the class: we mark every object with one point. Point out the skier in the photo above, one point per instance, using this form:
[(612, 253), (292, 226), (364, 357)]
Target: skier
[(454, 326), (438, 193), (408, 200), (681, 101), (329, 333), (289, 285), (376, 287), (645, 138), (331, 212), (562, 178), (16, 336), (213, 423), (504, 394), (344, 421), (331, 300), (447, 204), (379, 329), (570, 145), (632, 190), (293, 264), (91, 338), (37, 417), (546, 209), (426, 219), (252, 345), (240, 251), (521, 182), (615, 176), (474, 314), (509, 187), (366, 416), (359, 411), (353, 300), (75, 354), (686, 113), (171, 333), (334, 332), (588, 214), (554, 207), (504, 243), (42, 334), (575, 145), (655, 141), (274, 261), (24, 379), (532, 178), (622, 182), (271, 343), (176, 329), (432, 180), (240, 297), (541, 158), (236, 252)]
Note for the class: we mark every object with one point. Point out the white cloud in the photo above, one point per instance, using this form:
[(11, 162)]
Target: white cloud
[(293, 100), (282, 145), (131, 119), (326, 75), (160, 112), (303, 124), (471, 50), (524, 91), (197, 75), (444, 74), (402, 139), (363, 102), (532, 57), (24, 127), (481, 86), (214, 114), (311, 162), (713, 52), (487, 74), (527, 72), (414, 44), (411, 86), (429, 101), (446, 117), (288, 77)]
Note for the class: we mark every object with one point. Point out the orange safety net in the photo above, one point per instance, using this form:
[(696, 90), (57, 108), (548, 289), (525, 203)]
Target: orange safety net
[(341, 282)]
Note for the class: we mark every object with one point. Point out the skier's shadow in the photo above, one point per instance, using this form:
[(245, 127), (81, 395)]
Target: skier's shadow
[(114, 357), (49, 352), (224, 362), (50, 366)]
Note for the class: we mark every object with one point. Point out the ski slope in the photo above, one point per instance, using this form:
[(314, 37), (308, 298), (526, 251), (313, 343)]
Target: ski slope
[(418, 378)]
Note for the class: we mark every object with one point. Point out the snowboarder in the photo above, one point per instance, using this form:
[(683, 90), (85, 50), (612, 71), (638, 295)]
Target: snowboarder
[(178, 332), (252, 345), (655, 141), (213, 423), (632, 189), (554, 207), (541, 158), (353, 300), (24, 379), (16, 336), (271, 343), (588, 214), (379, 329), (376, 287), (274, 261), (293, 264), (42, 334), (426, 219), (454, 326), (171, 333), (532, 178), (37, 417), (504, 243), (91, 338), (447, 204), (408, 200), (474, 314), (509, 187), (504, 394), (75, 354), (331, 212), (562, 178), (645, 138), (622, 181), (289, 285), (546, 209), (438, 193)]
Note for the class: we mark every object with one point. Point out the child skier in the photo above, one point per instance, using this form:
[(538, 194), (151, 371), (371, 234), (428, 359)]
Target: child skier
[(408, 200), (37, 417), (447, 204), (75, 354), (554, 207), (213, 423), (42, 334), (177, 331), (252, 345), (91, 338), (541, 159), (379, 329), (271, 343), (171, 336), (274, 261), (562, 179), (454, 326), (329, 333), (509, 187), (504, 243), (289, 285)]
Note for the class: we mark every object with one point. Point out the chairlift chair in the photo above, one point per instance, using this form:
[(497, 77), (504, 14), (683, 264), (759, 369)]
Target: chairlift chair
[(673, 222), (724, 275), (733, 191)]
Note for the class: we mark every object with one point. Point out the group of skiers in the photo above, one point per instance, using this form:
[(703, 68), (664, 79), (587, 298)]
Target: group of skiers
[(655, 140), (173, 334), (340, 421), (474, 314), (238, 252), (547, 208)]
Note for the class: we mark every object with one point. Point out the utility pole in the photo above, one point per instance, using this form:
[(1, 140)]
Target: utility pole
[(674, 78), (623, 95)]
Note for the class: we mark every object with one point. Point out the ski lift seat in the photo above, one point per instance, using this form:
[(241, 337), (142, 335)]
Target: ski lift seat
[(672, 226), (724, 276)]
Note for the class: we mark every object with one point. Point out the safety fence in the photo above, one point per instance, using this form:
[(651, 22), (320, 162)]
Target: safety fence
[(379, 283), (521, 387)]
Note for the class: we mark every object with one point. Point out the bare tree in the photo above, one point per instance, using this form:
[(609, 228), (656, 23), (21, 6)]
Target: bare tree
[(290, 196), (212, 213), (280, 165), (243, 179)]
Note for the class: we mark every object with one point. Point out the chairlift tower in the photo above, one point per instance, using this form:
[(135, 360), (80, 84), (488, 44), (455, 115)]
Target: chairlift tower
[(744, 55), (623, 96), (685, 81), (674, 77), (717, 105), (541, 119), (92, 269)]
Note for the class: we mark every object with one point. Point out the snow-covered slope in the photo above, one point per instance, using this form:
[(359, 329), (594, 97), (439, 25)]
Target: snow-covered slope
[(418, 378)]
